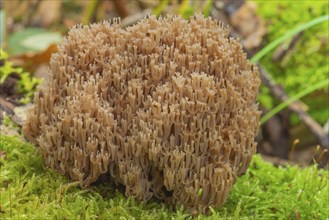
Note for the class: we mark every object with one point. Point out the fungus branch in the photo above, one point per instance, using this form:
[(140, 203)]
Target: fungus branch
[(165, 108)]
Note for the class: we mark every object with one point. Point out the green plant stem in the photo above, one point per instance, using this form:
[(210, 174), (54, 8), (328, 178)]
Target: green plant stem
[(299, 95), (90, 11), (159, 9), (288, 35), (183, 7), (207, 8)]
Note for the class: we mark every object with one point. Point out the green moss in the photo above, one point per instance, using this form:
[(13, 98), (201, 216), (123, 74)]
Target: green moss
[(31, 191), (307, 64)]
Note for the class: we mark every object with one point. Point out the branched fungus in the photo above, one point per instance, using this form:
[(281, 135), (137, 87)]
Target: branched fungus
[(165, 107)]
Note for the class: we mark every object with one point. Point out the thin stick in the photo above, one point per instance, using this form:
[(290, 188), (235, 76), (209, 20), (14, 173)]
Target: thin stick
[(295, 106)]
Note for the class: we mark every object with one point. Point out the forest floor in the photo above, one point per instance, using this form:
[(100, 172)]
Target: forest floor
[(288, 178)]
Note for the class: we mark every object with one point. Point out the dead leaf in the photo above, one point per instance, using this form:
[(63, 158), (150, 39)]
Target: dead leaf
[(297, 214), (8, 131), (19, 9), (3, 154), (6, 107), (249, 26), (42, 71), (8, 87), (49, 11), (285, 50), (31, 60), (69, 22), (148, 4), (20, 115)]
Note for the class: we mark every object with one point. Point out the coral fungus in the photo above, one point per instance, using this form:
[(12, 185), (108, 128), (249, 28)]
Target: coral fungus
[(165, 107)]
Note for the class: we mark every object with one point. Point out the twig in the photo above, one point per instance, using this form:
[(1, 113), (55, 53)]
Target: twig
[(90, 11), (5, 107), (297, 96), (278, 92), (132, 19), (277, 161), (296, 107), (282, 50), (121, 7)]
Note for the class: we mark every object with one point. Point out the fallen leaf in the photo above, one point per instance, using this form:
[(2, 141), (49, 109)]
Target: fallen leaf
[(32, 60), (3, 154), (41, 71), (49, 11), (7, 131), (20, 115), (6, 108), (249, 25), (297, 214), (8, 86), (32, 40), (41, 41)]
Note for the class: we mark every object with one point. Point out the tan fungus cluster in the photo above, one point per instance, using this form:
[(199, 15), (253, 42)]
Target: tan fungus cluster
[(165, 107)]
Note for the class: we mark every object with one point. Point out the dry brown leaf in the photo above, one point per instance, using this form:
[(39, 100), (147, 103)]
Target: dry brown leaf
[(41, 71), (49, 11), (250, 26), (19, 9), (3, 155), (9, 131), (31, 60), (20, 115)]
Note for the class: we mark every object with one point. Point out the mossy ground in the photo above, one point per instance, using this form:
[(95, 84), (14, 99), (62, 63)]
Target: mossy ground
[(31, 191)]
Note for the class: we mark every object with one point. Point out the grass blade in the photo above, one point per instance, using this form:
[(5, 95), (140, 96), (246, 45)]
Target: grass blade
[(288, 35), (299, 95), (161, 7)]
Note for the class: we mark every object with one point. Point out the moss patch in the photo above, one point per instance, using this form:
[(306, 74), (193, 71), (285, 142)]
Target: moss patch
[(31, 191), (307, 63)]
